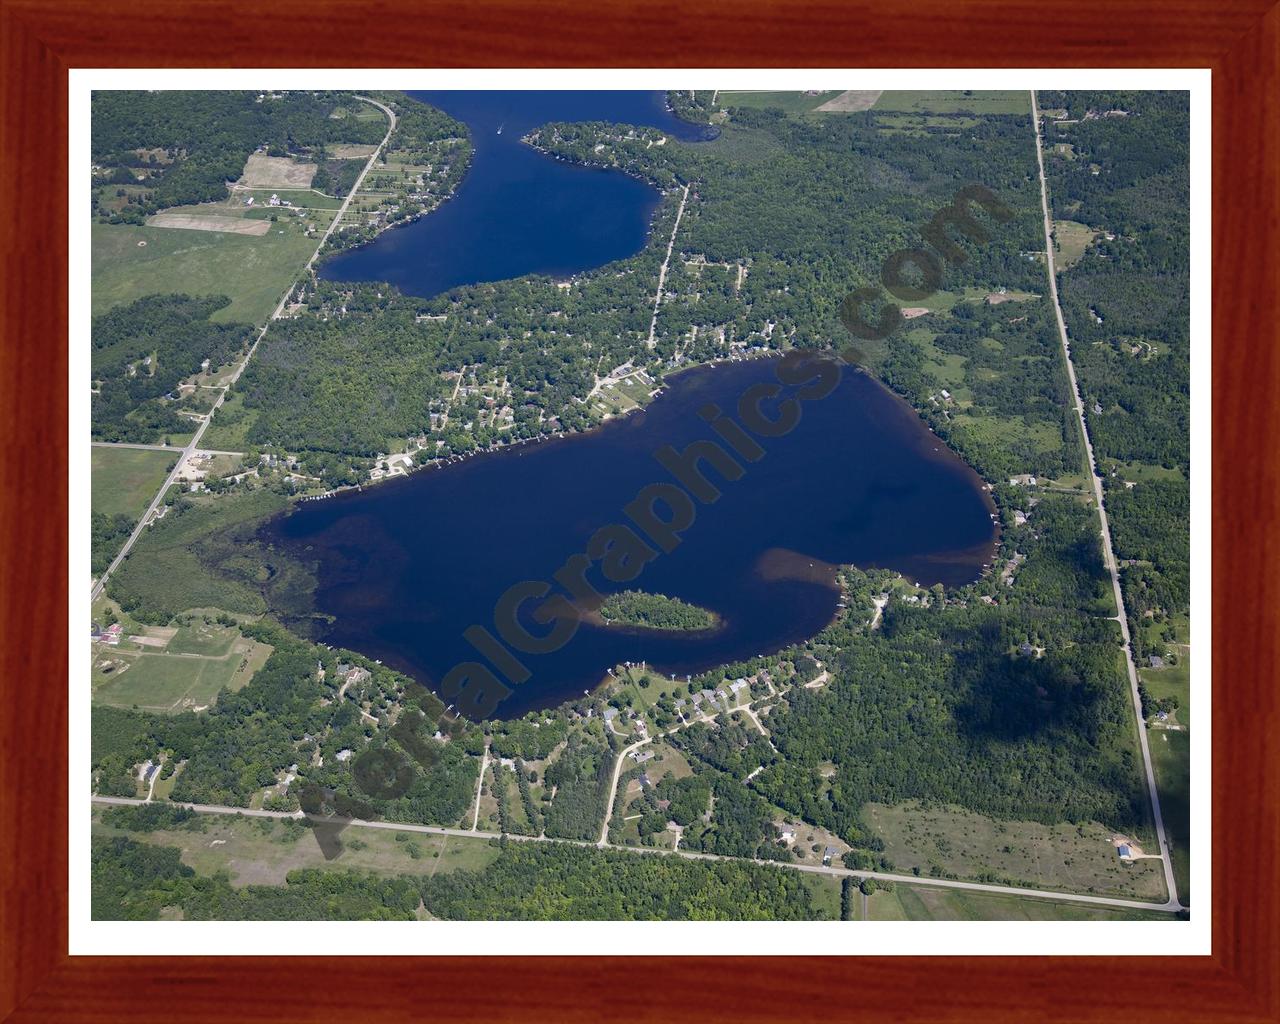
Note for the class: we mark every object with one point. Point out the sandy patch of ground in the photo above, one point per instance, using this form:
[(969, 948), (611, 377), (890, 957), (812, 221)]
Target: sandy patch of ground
[(262, 171), (233, 225), (911, 312), (854, 99), (351, 152)]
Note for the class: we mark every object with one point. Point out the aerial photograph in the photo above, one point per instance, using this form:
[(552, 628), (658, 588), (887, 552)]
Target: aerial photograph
[(639, 505)]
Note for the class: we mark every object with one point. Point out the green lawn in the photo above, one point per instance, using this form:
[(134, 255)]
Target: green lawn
[(1071, 239), (254, 270), (124, 480), (1171, 760), (212, 641), (956, 101), (187, 672), (163, 683)]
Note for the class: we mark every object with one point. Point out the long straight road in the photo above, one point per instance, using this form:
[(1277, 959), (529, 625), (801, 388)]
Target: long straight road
[(1108, 551), (462, 833), (662, 272), (185, 453)]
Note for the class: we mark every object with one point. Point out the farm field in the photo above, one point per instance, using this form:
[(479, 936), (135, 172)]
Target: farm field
[(956, 101), (253, 270), (1073, 858), (124, 480)]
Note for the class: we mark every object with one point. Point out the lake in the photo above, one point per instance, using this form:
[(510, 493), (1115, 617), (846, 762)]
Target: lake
[(519, 211), (405, 567)]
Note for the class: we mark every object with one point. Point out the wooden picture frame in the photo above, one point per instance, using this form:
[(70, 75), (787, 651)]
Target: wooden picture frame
[(1240, 41)]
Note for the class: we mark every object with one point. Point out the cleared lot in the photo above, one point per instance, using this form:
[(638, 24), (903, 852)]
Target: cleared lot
[(262, 171), (236, 225)]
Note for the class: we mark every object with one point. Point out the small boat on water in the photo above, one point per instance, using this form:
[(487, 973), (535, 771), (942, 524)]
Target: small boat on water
[(501, 126)]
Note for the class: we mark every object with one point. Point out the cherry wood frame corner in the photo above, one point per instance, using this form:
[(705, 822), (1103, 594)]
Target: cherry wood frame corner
[(1238, 39)]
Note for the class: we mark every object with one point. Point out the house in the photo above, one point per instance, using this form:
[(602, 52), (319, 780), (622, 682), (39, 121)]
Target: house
[(787, 833), (644, 780), (274, 200), (1025, 649), (663, 804), (828, 854), (1023, 479), (344, 754), (1124, 851), (1156, 661)]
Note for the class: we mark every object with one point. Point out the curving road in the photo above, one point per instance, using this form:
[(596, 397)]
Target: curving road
[(1108, 552)]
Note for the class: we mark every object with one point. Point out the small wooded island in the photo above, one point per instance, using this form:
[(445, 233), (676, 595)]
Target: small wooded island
[(655, 611)]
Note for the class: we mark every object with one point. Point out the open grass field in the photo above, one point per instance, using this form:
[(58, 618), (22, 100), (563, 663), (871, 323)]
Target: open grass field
[(262, 851), (1172, 681), (791, 102), (253, 270), (956, 101), (124, 480), (1171, 761), (166, 681), (970, 846), (229, 429), (826, 895), (1071, 239), (927, 903)]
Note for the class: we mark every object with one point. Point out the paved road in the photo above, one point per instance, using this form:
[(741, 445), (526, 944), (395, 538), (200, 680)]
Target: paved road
[(159, 447), (437, 830), (1108, 552), (185, 453)]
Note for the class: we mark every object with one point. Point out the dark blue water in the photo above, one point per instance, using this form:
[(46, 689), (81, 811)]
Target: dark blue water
[(518, 211), (406, 567)]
